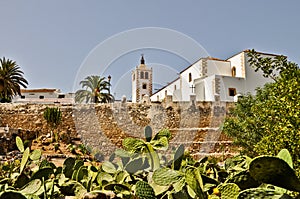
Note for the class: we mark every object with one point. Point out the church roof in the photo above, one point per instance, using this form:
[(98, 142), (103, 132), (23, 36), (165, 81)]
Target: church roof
[(262, 53), (165, 86)]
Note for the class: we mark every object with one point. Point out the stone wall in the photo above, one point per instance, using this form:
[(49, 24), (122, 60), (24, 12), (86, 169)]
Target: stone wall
[(104, 126)]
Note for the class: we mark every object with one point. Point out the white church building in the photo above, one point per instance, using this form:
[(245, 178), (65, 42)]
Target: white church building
[(210, 79)]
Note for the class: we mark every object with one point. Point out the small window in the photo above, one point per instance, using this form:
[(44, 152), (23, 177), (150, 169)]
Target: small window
[(144, 86), (22, 96), (233, 71), (232, 92), (133, 77), (175, 87), (42, 97), (61, 96), (190, 77), (146, 75), (142, 75)]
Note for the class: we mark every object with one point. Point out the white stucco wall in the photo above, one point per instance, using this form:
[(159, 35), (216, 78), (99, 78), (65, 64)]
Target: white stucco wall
[(238, 62), (215, 67), (169, 90), (185, 84)]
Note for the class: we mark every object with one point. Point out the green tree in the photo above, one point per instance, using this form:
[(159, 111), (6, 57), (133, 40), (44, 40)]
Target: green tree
[(11, 79), (269, 121), (96, 89)]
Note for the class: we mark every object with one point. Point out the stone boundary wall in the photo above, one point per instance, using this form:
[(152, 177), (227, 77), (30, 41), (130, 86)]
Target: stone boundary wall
[(104, 126)]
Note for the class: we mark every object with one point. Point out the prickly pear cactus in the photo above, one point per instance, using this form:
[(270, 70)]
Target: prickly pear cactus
[(178, 157), (12, 194), (260, 193), (286, 156), (68, 167), (148, 133), (20, 144), (229, 190), (134, 165), (193, 182), (275, 171), (24, 159), (32, 187), (144, 190), (42, 173), (244, 180), (36, 154), (166, 176)]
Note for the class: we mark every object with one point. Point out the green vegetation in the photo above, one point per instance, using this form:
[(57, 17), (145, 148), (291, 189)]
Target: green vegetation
[(11, 79), (129, 173), (96, 90), (269, 122), (53, 117)]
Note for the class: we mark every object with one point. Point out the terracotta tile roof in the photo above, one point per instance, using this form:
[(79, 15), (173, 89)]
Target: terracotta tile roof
[(39, 90), (216, 59), (262, 53)]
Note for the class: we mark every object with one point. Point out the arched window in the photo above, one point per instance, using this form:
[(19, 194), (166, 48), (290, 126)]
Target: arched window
[(190, 77), (233, 71), (142, 75), (146, 75), (144, 86)]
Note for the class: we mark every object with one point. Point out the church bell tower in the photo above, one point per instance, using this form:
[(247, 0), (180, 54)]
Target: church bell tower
[(141, 81)]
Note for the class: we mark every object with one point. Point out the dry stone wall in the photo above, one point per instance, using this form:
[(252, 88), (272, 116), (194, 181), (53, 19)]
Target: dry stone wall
[(104, 126)]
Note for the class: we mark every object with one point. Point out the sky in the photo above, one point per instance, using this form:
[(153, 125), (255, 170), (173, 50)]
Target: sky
[(59, 42)]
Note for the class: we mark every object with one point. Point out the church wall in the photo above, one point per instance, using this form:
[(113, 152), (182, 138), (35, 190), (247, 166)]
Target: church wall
[(218, 68), (234, 83), (254, 79), (186, 85), (238, 62)]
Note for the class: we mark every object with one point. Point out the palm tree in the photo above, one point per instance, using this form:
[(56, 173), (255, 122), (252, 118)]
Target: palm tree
[(96, 89), (11, 78)]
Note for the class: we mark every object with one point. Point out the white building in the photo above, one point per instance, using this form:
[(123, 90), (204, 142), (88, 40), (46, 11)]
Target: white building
[(212, 79), (141, 81), (44, 96)]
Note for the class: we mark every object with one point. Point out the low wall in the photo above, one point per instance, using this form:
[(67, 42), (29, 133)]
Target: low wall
[(104, 126)]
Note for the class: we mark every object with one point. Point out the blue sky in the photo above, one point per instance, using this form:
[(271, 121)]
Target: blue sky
[(52, 41)]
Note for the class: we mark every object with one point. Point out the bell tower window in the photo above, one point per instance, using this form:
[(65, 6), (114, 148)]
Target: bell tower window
[(146, 75), (142, 75), (144, 86)]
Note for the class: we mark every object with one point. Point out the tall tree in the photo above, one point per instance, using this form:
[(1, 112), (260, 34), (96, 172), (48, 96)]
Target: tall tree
[(269, 121), (11, 79), (95, 89)]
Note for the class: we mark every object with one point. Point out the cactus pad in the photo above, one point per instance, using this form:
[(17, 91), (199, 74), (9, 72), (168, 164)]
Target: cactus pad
[(166, 176), (144, 190), (260, 193), (229, 190), (275, 171)]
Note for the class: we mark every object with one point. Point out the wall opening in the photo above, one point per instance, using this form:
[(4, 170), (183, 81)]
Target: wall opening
[(144, 86), (146, 75), (142, 75), (190, 77), (233, 71), (232, 92)]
